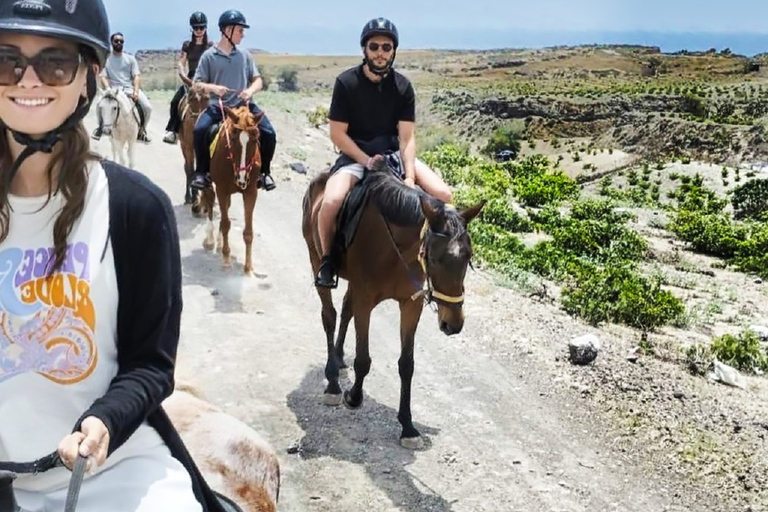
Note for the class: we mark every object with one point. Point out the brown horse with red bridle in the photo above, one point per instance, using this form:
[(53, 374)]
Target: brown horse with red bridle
[(405, 239), (235, 169)]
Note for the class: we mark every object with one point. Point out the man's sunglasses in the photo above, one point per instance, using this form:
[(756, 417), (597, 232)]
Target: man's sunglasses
[(54, 67), (118, 41), (374, 47)]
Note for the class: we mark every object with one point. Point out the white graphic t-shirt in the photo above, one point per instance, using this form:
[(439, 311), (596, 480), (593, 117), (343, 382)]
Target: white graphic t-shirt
[(58, 350)]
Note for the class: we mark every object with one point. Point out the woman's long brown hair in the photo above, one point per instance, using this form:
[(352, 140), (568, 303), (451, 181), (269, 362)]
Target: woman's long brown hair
[(72, 154)]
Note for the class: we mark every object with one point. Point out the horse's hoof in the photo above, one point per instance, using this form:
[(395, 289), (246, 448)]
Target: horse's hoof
[(208, 246), (334, 400), (412, 443), (348, 404)]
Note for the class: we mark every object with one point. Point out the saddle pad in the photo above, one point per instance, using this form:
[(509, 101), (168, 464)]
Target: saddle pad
[(212, 147), (349, 215)]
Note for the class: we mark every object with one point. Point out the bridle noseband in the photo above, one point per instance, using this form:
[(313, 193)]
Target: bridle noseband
[(430, 294)]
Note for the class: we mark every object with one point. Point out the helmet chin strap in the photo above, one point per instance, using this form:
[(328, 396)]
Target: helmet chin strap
[(50, 139), (229, 38), (382, 71)]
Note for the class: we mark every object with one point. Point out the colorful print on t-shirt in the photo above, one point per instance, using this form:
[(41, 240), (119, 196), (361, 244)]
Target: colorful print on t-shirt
[(46, 323)]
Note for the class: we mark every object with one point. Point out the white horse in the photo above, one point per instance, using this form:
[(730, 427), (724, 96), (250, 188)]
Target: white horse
[(235, 460), (120, 121)]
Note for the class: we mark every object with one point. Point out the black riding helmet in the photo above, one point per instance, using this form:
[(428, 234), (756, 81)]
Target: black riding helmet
[(380, 27), (198, 19), (84, 22), (230, 18)]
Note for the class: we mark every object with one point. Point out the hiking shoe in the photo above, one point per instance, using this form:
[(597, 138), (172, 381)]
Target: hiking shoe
[(200, 181), (267, 182), (170, 138), (326, 275)]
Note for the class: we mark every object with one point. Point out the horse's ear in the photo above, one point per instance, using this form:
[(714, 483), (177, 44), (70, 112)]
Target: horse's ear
[(470, 213), (432, 211), (230, 114)]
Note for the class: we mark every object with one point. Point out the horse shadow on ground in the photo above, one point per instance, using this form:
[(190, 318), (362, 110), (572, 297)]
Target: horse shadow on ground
[(204, 268), (187, 223), (368, 437)]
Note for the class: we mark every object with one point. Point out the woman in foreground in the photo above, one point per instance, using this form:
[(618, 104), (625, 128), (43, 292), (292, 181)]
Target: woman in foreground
[(90, 294)]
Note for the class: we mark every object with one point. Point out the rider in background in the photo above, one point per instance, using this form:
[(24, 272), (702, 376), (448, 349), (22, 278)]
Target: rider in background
[(90, 315), (191, 51), (122, 71), (229, 74), (373, 112)]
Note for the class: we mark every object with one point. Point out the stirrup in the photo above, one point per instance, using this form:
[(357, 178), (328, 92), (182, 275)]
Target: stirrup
[(334, 282)]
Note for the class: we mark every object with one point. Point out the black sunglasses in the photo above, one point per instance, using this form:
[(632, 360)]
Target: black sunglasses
[(54, 67), (118, 41), (374, 47), (199, 27)]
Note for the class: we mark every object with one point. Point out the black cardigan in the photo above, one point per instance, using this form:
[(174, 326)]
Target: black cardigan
[(145, 242)]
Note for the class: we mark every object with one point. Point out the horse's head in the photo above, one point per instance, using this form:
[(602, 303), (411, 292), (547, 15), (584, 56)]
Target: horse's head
[(243, 142), (446, 252), (109, 108), (197, 99)]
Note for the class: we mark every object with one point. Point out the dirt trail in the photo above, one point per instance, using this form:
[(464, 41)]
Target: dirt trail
[(498, 438)]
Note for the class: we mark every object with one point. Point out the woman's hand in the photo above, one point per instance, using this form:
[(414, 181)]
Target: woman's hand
[(91, 441)]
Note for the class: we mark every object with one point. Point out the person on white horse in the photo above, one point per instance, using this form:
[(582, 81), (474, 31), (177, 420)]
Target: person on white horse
[(122, 72), (91, 303)]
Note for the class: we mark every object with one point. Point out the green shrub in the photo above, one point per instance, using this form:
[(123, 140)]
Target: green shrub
[(750, 200), (503, 138)]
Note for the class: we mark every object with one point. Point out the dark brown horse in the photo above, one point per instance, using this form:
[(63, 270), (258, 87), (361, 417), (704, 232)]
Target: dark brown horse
[(235, 169), (405, 239), (191, 106)]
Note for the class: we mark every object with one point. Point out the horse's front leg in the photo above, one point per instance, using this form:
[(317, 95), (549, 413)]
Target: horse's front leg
[(410, 313), (249, 203), (224, 225), (131, 146), (362, 315), (346, 316), (117, 151)]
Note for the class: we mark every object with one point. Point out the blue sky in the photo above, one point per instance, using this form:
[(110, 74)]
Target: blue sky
[(332, 26)]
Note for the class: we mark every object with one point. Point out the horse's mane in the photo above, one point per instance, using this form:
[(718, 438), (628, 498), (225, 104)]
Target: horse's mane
[(399, 203)]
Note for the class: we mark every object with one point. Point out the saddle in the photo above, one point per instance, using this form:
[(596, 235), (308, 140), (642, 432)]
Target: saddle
[(355, 202)]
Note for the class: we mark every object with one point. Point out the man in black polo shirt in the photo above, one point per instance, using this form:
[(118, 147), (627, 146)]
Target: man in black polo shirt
[(373, 112)]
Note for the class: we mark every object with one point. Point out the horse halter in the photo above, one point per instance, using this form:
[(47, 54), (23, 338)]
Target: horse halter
[(116, 100), (231, 157), (430, 294)]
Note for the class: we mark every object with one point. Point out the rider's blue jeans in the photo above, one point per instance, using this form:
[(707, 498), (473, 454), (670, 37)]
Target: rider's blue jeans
[(212, 115)]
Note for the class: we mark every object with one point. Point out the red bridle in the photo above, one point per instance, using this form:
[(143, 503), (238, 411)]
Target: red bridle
[(231, 157)]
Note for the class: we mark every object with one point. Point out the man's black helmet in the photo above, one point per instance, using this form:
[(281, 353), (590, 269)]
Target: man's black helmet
[(379, 27), (82, 21), (232, 17), (198, 19)]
